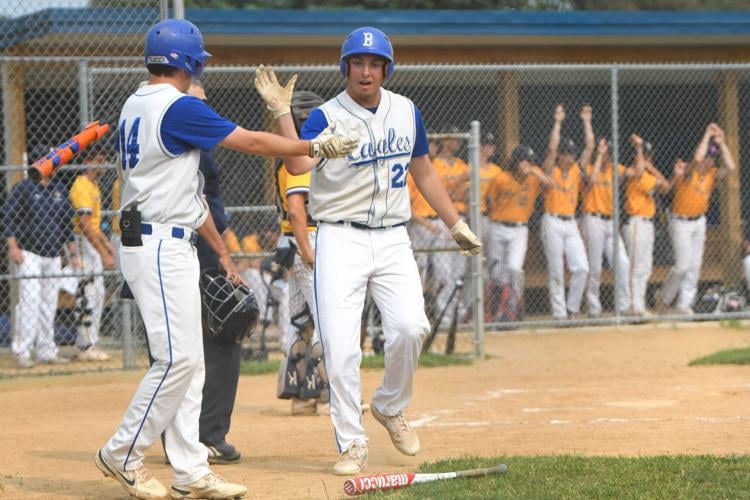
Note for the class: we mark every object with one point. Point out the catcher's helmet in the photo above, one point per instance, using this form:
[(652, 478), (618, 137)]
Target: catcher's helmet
[(230, 311), (177, 43), (303, 102), (367, 41)]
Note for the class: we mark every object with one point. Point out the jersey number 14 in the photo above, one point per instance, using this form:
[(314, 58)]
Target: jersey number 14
[(129, 150)]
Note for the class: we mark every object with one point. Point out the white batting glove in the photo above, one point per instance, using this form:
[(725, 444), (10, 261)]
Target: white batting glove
[(330, 145), (278, 99), (467, 240)]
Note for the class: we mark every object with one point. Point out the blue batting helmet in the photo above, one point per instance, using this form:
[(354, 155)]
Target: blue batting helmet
[(367, 41), (177, 43)]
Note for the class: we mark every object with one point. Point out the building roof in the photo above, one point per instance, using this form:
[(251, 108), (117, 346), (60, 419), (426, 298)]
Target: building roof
[(455, 27)]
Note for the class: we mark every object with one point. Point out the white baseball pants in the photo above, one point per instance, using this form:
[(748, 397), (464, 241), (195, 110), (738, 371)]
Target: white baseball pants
[(600, 236), (638, 234), (347, 261), (91, 266), (688, 238), (163, 276), (34, 314), (506, 254), (562, 242)]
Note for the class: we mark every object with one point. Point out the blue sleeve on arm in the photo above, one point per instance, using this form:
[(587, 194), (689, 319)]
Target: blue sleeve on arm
[(11, 212), (421, 147), (314, 125), (190, 123)]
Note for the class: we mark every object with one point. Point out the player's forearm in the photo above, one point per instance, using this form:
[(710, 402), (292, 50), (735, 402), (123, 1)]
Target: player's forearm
[(299, 229), (727, 158), (91, 234), (13, 243), (702, 149), (265, 144), (208, 232)]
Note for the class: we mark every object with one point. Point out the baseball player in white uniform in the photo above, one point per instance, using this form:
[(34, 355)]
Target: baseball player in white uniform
[(161, 132), (362, 205), (562, 240)]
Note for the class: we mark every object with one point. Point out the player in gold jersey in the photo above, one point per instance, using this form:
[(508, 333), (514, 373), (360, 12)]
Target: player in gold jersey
[(693, 184)]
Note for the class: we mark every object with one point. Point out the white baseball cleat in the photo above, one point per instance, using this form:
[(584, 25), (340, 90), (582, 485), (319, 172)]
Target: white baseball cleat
[(402, 435), (211, 485), (352, 461), (93, 353), (140, 483)]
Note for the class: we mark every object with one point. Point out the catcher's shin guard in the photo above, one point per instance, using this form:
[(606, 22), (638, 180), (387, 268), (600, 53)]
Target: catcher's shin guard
[(316, 354), (290, 378)]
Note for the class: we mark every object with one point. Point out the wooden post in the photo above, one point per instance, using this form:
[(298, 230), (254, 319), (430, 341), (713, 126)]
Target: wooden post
[(14, 118), (508, 112), (730, 229)]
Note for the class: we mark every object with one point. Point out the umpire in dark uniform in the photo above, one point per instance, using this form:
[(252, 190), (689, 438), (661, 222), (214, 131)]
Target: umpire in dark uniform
[(222, 359)]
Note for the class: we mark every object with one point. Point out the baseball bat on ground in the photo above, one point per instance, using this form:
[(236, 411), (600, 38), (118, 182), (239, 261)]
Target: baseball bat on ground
[(380, 482)]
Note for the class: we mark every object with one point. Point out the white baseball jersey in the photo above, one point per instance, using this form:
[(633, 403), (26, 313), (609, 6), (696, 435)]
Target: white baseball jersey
[(167, 188), (368, 186)]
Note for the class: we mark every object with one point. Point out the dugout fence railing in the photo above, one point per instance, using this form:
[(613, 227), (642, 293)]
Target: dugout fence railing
[(668, 105)]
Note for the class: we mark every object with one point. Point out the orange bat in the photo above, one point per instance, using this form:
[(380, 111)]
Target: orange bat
[(65, 152)]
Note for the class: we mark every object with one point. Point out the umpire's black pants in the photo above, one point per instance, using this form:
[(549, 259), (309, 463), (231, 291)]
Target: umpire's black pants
[(222, 372)]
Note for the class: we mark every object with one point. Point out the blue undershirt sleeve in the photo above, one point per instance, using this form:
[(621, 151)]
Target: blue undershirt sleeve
[(314, 125), (190, 123), (421, 147)]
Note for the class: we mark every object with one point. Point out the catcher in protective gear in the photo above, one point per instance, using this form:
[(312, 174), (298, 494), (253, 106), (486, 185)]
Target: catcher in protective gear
[(230, 312)]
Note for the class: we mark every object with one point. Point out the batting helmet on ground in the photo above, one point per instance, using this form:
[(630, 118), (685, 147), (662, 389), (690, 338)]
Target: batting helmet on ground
[(177, 43), (230, 311), (367, 41), (303, 102)]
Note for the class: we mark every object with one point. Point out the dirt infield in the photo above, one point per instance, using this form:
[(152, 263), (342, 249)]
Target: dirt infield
[(624, 391)]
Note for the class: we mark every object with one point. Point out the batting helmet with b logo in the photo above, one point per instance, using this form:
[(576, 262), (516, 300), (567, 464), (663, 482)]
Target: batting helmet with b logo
[(177, 43), (367, 41)]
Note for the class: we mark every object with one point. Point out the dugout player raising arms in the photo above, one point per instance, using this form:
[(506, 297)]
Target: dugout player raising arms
[(559, 229), (693, 184), (161, 132), (361, 203)]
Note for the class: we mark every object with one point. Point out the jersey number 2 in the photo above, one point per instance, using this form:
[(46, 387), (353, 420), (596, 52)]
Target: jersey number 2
[(399, 175), (129, 150)]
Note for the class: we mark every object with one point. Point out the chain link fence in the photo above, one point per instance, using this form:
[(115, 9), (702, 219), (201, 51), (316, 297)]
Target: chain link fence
[(50, 89)]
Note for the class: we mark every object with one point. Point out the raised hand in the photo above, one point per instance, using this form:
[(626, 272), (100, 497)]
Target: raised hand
[(277, 98), (559, 113), (636, 140), (586, 113)]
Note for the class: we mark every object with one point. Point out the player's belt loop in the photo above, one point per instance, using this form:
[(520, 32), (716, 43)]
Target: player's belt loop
[(164, 231), (358, 225)]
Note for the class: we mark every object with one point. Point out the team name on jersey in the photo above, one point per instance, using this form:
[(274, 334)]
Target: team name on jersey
[(389, 146)]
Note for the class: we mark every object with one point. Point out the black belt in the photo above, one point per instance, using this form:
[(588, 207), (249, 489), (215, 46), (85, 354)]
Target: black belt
[(683, 217), (600, 215), (563, 217), (642, 217), (357, 225), (510, 224)]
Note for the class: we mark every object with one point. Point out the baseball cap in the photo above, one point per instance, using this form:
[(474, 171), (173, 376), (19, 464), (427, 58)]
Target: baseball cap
[(567, 146), (713, 150), (521, 153), (488, 138)]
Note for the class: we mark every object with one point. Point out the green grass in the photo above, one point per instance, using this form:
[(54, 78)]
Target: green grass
[(368, 363), (570, 476), (726, 357)]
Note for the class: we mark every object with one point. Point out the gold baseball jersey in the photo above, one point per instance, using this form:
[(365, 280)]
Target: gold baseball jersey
[(486, 175), (86, 199), (287, 184), (599, 198), (692, 193), (562, 197), (116, 200), (639, 195), (455, 179), (510, 200)]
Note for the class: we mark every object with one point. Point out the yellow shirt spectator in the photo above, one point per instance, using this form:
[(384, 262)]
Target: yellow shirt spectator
[(86, 199), (692, 193), (599, 198), (511, 200), (486, 175), (455, 176), (562, 197), (639, 196), (287, 184)]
